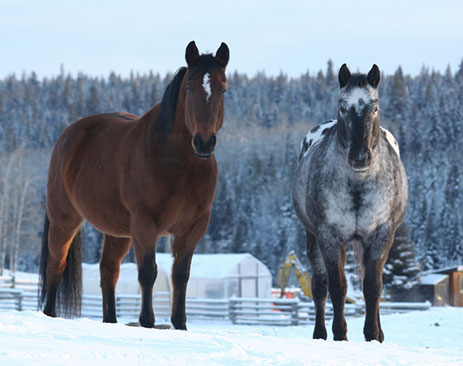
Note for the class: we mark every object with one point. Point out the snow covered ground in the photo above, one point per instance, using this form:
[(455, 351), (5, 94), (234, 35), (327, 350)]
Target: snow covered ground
[(433, 337)]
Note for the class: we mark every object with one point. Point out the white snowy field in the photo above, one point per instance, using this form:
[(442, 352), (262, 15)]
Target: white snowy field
[(433, 337)]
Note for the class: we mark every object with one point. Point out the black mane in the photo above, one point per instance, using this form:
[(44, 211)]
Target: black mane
[(357, 81), (166, 116)]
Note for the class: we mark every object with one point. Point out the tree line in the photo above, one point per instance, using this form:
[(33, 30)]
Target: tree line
[(266, 119)]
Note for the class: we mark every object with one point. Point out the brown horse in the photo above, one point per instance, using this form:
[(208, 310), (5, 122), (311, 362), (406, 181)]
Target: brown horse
[(135, 179)]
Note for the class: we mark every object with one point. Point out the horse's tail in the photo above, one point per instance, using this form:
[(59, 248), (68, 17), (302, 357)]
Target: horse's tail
[(69, 293)]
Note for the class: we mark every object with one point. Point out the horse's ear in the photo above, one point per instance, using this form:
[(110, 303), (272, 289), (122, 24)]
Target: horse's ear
[(344, 76), (374, 76), (191, 54), (222, 55)]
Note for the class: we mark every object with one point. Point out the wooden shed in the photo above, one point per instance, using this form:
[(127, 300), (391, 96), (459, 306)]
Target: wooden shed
[(433, 287), (455, 294)]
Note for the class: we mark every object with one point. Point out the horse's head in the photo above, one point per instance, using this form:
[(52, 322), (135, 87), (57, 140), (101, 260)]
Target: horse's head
[(205, 84), (358, 116)]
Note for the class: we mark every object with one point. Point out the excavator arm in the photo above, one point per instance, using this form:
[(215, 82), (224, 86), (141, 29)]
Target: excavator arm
[(292, 262)]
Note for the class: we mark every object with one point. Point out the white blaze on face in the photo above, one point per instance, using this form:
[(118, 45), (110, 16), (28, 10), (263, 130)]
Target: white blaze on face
[(207, 84), (352, 98)]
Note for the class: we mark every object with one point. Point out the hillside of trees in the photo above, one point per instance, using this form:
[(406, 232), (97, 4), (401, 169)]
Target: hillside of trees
[(266, 119)]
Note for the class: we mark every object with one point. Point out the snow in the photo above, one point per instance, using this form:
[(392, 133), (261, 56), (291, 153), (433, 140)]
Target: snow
[(448, 270), (419, 338), (216, 265), (432, 279)]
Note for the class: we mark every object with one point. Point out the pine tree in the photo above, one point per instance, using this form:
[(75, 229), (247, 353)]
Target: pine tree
[(401, 271)]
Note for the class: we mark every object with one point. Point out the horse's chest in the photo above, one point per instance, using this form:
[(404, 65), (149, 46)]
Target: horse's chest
[(198, 190), (356, 211)]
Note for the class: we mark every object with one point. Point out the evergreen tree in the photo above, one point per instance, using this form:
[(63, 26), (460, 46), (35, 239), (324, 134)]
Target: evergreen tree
[(401, 271), (266, 119)]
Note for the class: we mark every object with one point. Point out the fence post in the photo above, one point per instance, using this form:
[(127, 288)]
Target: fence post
[(231, 310), (20, 301), (295, 313)]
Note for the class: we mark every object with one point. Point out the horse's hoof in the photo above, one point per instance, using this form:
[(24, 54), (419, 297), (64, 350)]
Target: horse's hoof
[(374, 336), (146, 323), (179, 322), (110, 320), (180, 327), (381, 336), (320, 334), (50, 313)]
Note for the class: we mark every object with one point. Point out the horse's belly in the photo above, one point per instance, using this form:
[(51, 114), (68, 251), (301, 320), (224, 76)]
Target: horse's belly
[(108, 215)]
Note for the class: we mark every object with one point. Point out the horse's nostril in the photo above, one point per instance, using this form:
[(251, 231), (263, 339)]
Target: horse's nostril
[(213, 142), (196, 142)]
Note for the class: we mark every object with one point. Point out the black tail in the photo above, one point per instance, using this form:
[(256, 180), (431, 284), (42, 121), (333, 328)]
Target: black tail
[(69, 294)]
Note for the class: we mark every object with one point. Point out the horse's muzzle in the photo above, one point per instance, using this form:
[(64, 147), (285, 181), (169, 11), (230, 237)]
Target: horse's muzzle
[(204, 149), (360, 162)]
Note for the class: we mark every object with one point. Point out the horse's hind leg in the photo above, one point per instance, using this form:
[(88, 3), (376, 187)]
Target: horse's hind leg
[(334, 257), (183, 248), (114, 250), (319, 285), (60, 238)]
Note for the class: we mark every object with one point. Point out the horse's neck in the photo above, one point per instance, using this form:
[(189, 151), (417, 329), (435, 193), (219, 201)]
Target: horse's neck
[(177, 144)]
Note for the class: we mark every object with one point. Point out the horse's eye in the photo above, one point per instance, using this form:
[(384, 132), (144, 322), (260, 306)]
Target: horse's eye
[(343, 110), (375, 109), (188, 89), (224, 91)]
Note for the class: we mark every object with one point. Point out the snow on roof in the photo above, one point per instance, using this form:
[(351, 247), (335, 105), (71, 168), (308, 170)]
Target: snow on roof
[(215, 265), (432, 278), (450, 269), (202, 265)]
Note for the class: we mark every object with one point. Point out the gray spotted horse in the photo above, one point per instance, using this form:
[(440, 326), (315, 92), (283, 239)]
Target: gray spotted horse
[(350, 187)]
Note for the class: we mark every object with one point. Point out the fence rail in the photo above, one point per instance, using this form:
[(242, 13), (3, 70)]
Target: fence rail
[(248, 311)]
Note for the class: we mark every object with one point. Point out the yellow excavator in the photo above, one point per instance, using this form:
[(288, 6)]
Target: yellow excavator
[(292, 262)]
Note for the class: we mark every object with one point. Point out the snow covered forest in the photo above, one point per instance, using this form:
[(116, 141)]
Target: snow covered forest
[(266, 119)]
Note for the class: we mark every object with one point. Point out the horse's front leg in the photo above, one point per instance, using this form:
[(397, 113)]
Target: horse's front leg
[(183, 247), (374, 258), (144, 237), (334, 256), (114, 250), (319, 285)]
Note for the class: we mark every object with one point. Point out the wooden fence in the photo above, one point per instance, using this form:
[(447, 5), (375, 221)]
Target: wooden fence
[(280, 311), (249, 311)]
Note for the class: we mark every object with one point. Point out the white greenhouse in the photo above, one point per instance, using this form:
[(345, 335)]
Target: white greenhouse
[(213, 276)]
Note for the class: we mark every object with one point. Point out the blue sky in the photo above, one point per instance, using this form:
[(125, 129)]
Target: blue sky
[(99, 36)]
